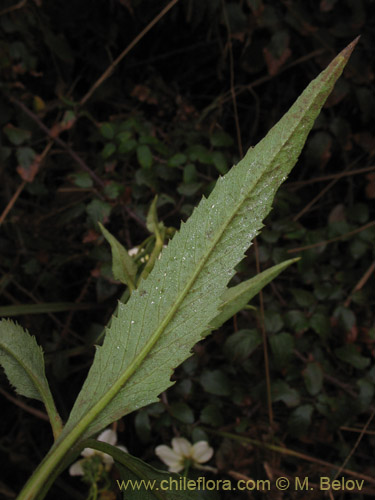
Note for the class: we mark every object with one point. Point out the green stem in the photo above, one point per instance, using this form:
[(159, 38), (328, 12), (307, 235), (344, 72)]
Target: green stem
[(53, 415)]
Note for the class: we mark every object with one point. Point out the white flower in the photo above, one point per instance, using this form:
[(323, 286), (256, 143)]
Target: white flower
[(133, 251), (183, 452), (108, 436)]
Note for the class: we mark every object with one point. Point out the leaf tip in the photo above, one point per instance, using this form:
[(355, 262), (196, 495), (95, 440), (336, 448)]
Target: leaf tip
[(346, 53)]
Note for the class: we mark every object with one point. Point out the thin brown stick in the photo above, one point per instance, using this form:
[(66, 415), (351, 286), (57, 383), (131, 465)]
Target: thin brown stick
[(307, 207), (19, 190), (353, 429), (360, 283), (17, 6), (263, 79), (332, 176), (58, 141), (132, 44), (332, 240), (232, 91), (24, 406), (289, 452), (265, 343), (12, 201), (355, 444)]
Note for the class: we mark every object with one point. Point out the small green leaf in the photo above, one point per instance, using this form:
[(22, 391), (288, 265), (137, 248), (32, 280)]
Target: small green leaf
[(221, 139), (25, 156), (197, 152), (270, 236), (358, 248), (144, 156), (82, 180), (23, 363), (127, 146), (123, 137), (176, 160), (366, 394), (108, 150), (190, 174), (296, 320), (16, 135), (241, 344), (182, 412), (319, 322), (303, 297), (345, 316), (281, 391), (211, 415), (189, 189), (313, 376), (68, 119), (216, 382), (107, 130), (273, 321), (113, 190), (349, 354), (300, 419), (98, 210), (282, 345), (123, 267), (220, 162)]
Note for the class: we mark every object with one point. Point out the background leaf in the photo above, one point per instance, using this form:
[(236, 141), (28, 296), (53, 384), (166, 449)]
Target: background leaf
[(313, 375)]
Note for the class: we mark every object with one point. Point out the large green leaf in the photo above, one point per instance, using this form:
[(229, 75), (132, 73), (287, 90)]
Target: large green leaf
[(155, 331), (23, 363)]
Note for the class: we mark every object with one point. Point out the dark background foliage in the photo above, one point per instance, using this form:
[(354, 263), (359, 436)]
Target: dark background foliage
[(208, 81)]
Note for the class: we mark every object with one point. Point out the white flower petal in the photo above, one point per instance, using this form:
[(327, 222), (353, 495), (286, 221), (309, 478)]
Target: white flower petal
[(108, 436), (106, 459), (176, 468), (168, 456), (87, 452), (182, 446), (201, 452), (76, 469)]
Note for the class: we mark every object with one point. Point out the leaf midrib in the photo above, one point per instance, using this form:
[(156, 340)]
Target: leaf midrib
[(40, 388)]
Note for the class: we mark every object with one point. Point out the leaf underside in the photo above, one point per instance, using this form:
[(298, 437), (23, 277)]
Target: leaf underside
[(163, 319), (23, 361)]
